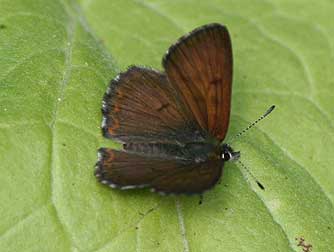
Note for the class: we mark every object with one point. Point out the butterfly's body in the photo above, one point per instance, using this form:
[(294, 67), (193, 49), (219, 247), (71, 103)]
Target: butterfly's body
[(195, 152), (171, 123)]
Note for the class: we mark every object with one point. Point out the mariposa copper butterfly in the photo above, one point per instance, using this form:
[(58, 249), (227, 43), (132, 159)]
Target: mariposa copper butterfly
[(171, 123)]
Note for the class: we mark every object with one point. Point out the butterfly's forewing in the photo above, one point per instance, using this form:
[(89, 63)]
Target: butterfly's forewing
[(124, 170), (141, 106), (199, 67)]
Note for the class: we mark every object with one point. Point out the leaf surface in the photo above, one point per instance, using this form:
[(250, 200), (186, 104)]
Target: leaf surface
[(56, 60)]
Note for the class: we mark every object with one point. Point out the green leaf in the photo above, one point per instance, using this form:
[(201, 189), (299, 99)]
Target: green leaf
[(56, 60)]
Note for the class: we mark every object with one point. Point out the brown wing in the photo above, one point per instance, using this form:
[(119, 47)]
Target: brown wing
[(140, 105), (190, 179), (199, 67), (124, 170)]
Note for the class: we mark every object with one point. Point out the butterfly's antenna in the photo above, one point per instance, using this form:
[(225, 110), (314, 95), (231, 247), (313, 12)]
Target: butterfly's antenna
[(253, 177), (254, 123)]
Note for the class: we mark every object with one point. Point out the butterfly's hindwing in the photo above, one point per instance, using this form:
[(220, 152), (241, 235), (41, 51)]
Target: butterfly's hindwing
[(163, 173)]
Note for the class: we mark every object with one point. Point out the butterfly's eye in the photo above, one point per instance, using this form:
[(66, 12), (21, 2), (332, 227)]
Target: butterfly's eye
[(230, 155), (226, 156)]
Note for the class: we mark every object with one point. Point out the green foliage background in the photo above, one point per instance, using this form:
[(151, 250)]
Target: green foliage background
[(56, 59)]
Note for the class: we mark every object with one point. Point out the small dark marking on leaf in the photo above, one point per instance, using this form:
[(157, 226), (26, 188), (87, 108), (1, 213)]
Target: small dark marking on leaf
[(200, 199), (2, 26), (301, 243), (150, 210), (260, 185), (147, 212)]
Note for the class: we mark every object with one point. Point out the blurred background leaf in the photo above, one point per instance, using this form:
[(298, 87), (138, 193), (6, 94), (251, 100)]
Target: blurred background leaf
[(56, 59)]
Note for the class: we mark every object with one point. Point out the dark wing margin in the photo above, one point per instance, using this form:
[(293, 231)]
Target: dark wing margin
[(123, 170), (140, 105), (199, 67)]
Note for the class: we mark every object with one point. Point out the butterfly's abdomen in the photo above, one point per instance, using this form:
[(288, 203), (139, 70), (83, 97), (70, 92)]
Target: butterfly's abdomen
[(155, 149), (198, 152)]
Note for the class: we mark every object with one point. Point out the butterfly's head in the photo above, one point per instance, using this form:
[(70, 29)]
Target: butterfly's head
[(229, 154)]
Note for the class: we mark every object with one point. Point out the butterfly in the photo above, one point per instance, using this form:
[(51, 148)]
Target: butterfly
[(172, 124)]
